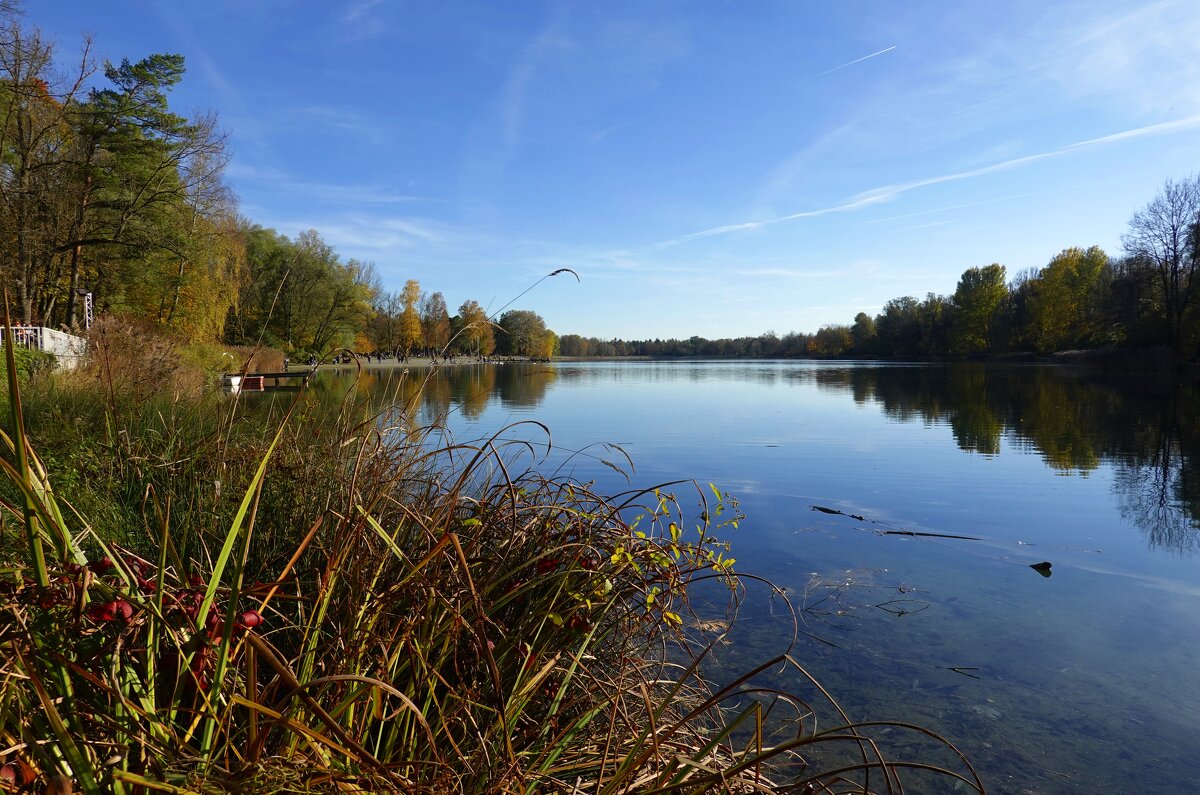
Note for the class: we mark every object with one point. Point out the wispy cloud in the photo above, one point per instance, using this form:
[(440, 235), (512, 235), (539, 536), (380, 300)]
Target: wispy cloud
[(857, 60), (600, 135), (345, 120), (516, 87), (337, 194), (1142, 58), (359, 234), (357, 11), (949, 207), (783, 176), (887, 193), (929, 225), (359, 21), (874, 196), (229, 92), (1125, 56), (800, 273)]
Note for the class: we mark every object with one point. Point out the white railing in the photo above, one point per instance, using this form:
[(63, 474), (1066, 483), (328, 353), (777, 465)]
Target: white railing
[(68, 349)]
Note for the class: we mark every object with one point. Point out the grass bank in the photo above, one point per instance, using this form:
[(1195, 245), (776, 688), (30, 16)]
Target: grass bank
[(198, 598)]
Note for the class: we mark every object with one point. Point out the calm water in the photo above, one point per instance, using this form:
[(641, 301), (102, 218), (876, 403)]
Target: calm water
[(1086, 681)]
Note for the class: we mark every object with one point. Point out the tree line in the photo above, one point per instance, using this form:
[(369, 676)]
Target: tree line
[(1082, 298), (105, 190)]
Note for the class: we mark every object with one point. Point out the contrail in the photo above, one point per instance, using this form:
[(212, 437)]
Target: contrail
[(856, 60), (887, 193)]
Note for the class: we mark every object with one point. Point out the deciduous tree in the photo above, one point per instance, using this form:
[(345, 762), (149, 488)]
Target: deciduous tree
[(473, 331), (410, 318), (522, 333), (1065, 309), (34, 139), (1165, 234), (980, 293), (435, 322), (863, 333)]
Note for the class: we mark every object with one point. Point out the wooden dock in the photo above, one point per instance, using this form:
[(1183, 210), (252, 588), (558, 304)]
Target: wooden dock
[(257, 382)]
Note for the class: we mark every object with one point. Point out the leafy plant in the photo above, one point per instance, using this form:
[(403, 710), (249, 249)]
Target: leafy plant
[(437, 624)]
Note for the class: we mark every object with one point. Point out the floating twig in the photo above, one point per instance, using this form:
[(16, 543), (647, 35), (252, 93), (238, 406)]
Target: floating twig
[(926, 535), (965, 670), (836, 512)]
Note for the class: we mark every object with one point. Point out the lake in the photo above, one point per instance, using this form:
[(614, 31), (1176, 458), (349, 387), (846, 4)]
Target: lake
[(1083, 681)]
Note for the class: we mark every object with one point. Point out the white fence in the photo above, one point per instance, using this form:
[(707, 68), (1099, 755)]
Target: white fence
[(68, 349)]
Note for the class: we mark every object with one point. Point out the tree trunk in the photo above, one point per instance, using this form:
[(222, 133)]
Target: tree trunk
[(77, 250)]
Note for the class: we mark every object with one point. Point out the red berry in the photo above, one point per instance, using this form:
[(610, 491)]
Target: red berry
[(250, 619)]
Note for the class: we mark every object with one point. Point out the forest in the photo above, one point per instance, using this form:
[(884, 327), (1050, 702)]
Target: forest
[(106, 191), (1148, 296)]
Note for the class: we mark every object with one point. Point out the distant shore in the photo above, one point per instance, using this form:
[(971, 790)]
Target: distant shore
[(1154, 359), (419, 362)]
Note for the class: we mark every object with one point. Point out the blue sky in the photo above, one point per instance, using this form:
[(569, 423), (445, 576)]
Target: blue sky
[(710, 168)]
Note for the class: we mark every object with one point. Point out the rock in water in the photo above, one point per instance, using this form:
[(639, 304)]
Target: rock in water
[(1042, 568)]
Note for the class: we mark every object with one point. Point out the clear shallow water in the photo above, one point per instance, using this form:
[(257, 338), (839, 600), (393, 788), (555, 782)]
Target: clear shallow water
[(1086, 681)]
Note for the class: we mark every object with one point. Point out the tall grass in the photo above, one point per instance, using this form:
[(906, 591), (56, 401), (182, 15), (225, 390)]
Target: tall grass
[(336, 603)]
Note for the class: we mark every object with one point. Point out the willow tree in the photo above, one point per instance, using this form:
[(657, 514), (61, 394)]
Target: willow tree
[(299, 295)]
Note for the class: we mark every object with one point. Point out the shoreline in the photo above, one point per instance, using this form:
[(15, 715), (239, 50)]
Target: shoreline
[(419, 362)]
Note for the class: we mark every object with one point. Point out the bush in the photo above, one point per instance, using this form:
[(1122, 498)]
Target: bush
[(32, 363)]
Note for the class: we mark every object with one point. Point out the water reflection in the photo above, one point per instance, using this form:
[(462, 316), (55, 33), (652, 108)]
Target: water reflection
[(430, 396), (1146, 429), (1158, 489), (1061, 667)]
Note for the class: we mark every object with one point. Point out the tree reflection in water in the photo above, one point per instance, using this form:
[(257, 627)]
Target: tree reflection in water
[(1145, 426), (427, 396), (1156, 486)]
